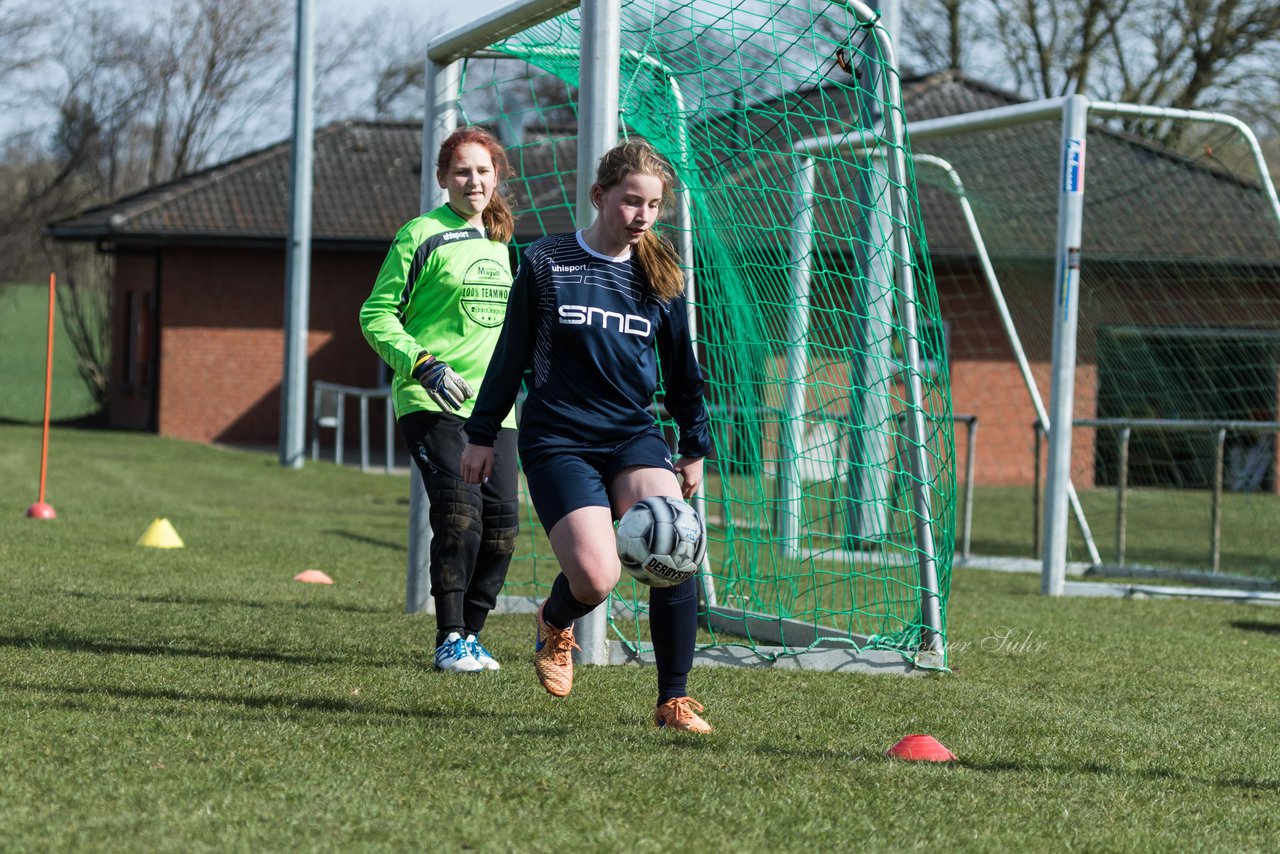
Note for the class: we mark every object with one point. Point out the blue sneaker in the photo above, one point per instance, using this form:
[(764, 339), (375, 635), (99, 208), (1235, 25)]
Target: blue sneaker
[(480, 654), (454, 655)]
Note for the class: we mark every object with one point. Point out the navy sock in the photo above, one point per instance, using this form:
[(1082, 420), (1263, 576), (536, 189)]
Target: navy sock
[(673, 623), (562, 608)]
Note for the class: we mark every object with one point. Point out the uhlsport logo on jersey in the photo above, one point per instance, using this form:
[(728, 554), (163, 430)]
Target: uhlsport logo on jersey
[(590, 315), (485, 288)]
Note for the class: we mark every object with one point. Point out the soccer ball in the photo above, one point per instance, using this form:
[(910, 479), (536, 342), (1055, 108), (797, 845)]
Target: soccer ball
[(661, 541)]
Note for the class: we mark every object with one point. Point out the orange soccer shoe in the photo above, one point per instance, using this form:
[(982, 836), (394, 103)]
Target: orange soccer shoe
[(681, 713), (553, 657)]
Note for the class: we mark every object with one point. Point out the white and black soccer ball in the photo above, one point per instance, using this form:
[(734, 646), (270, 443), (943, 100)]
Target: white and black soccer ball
[(661, 541)]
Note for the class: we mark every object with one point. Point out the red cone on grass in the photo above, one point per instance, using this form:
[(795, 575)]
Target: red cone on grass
[(313, 576), (924, 748), (41, 510)]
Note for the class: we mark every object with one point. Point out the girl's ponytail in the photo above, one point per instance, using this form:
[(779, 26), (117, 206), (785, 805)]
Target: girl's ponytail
[(661, 266)]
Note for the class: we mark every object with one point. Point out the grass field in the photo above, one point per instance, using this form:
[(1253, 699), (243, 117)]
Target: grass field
[(24, 313), (198, 699)]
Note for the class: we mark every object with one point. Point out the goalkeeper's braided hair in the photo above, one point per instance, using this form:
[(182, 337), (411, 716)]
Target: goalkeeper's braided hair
[(655, 253)]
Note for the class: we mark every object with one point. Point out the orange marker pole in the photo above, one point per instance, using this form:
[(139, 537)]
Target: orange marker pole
[(41, 510)]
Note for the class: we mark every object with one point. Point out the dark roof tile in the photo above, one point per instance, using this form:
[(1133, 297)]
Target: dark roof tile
[(367, 183)]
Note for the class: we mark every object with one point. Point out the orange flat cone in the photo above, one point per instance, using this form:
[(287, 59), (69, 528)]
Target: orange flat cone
[(924, 748), (160, 535), (313, 576)]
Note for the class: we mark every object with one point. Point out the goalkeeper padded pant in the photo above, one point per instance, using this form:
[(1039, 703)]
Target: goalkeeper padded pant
[(473, 526)]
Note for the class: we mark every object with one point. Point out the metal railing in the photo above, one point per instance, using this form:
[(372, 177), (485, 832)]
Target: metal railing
[(1125, 428), (328, 411), (1220, 427)]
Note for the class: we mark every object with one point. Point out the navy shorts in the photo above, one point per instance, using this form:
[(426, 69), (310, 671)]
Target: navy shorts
[(563, 481)]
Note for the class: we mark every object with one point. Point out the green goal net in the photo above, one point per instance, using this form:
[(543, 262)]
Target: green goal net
[(830, 499)]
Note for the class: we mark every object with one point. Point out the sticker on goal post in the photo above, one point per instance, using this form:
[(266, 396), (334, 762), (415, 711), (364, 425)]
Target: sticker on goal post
[(1069, 272), (1073, 167)]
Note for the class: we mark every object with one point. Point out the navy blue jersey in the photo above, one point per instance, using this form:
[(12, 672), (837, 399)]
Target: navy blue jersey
[(591, 335)]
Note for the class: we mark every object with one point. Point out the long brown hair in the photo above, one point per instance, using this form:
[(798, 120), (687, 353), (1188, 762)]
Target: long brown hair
[(655, 253), (498, 217)]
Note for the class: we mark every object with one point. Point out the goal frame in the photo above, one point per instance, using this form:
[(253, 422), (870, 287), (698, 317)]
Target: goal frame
[(598, 131), (1074, 112)]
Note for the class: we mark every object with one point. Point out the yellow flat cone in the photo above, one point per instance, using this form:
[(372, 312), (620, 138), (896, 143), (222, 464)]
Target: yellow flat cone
[(313, 576), (160, 535)]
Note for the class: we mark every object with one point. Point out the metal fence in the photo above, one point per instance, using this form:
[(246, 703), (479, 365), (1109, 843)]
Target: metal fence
[(1124, 427), (328, 411)]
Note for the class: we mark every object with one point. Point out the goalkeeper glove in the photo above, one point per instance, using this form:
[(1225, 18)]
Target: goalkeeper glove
[(442, 382)]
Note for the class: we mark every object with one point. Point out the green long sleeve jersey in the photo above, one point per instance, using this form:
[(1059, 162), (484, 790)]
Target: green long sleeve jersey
[(443, 288)]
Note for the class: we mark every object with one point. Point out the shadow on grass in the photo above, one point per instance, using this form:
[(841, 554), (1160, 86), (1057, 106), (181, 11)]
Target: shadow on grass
[(369, 541), (1257, 626), (1154, 774), (1235, 560), (70, 643), (95, 420), (1259, 564), (267, 702), (204, 601)]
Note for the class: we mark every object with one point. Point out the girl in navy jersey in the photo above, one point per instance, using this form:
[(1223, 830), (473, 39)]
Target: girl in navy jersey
[(591, 316), (434, 315)]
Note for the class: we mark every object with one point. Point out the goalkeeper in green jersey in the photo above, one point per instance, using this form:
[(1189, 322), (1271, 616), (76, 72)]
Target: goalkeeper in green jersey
[(434, 316)]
